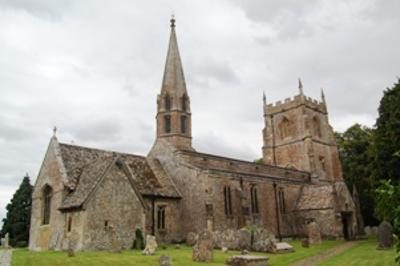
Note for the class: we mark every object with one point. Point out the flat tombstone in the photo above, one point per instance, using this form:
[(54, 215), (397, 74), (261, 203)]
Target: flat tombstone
[(204, 248), (385, 235), (247, 260), (283, 247), (314, 233), (165, 260), (151, 245)]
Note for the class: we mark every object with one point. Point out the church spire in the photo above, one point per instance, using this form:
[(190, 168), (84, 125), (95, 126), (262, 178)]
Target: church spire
[(174, 79), (173, 103)]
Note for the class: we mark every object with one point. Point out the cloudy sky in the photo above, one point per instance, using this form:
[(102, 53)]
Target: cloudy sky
[(93, 68)]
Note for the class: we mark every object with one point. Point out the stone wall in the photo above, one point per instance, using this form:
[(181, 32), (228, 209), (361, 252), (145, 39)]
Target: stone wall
[(113, 213)]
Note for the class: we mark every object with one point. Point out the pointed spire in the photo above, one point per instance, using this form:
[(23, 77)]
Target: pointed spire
[(174, 79), (301, 87), (322, 95)]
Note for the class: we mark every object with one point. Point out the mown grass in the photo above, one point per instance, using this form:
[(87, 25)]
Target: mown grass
[(363, 253), (180, 257)]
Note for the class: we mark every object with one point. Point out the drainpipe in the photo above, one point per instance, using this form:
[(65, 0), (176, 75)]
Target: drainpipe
[(152, 217), (277, 214)]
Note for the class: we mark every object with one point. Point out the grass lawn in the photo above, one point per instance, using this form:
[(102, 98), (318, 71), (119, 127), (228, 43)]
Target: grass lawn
[(180, 257), (364, 253)]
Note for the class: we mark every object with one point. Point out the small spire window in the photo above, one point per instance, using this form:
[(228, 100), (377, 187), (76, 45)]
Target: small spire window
[(184, 103), (183, 124), (167, 124), (168, 102)]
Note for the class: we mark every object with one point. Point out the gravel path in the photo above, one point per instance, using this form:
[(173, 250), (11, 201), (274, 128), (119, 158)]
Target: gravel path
[(314, 260), (5, 257)]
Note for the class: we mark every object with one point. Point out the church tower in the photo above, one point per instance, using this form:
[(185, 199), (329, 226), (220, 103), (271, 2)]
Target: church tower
[(297, 135), (173, 103)]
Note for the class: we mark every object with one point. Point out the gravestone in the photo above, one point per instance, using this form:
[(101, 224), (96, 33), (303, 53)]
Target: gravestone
[(247, 260), (224, 249), (368, 230), (305, 243), (314, 233), (116, 246), (203, 250), (6, 241), (263, 240), (283, 247), (244, 239), (165, 260), (151, 245), (385, 235)]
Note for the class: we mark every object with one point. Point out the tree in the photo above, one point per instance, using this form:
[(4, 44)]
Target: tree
[(18, 216), (387, 135), (355, 147)]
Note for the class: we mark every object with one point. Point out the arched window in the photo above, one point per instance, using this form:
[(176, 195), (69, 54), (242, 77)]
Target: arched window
[(183, 124), (254, 200), (161, 217), (69, 224), (47, 194), (317, 127), (167, 124), (285, 128), (168, 102), (282, 203), (184, 103), (227, 201)]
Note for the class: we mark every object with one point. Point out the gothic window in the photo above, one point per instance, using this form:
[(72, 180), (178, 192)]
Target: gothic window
[(161, 217), (282, 203), (254, 200), (69, 224), (227, 201), (184, 103), (47, 194), (285, 128), (183, 124), (167, 124), (317, 127), (168, 102)]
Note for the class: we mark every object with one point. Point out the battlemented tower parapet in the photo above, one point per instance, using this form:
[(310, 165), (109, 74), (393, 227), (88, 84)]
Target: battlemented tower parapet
[(297, 135)]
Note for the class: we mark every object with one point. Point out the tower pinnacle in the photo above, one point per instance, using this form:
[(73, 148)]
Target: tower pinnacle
[(300, 87)]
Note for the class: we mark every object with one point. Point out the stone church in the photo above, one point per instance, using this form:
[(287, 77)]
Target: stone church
[(91, 199)]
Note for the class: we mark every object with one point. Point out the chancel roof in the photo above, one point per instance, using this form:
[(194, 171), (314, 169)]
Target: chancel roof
[(86, 166)]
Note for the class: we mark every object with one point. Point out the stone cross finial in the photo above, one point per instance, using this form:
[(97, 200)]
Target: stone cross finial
[(54, 131), (264, 98), (300, 87), (172, 20)]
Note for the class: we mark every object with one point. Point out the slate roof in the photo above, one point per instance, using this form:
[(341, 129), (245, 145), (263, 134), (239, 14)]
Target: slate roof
[(85, 167), (315, 197)]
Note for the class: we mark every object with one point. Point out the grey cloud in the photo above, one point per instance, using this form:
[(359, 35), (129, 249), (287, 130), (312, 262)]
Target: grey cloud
[(48, 9), (96, 130)]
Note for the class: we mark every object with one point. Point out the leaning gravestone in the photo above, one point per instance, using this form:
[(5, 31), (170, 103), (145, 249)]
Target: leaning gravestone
[(203, 250), (151, 245), (314, 234), (385, 235)]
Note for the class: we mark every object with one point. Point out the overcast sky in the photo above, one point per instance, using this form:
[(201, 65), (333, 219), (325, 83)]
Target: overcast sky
[(93, 69)]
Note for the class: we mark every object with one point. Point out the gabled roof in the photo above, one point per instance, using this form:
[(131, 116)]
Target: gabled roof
[(86, 166)]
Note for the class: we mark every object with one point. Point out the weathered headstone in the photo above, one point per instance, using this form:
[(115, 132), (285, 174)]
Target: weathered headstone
[(385, 235), (177, 246), (224, 249), (203, 250), (374, 230), (6, 241), (151, 245), (244, 252), (368, 230), (116, 246), (244, 239), (165, 260), (314, 233), (247, 260), (191, 239), (263, 240)]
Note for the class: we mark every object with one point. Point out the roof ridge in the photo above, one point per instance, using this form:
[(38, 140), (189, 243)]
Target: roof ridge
[(102, 150)]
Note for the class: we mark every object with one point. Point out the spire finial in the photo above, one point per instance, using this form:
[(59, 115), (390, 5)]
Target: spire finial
[(300, 87), (172, 20), (54, 131), (322, 95)]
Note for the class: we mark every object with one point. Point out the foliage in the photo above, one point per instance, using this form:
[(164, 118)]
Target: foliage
[(139, 241), (18, 216), (388, 208), (180, 257), (356, 154), (259, 160), (387, 135)]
